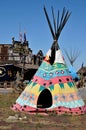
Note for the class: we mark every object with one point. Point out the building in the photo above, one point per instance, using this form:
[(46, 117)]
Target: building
[(4, 54), (82, 73), (18, 56), (20, 51)]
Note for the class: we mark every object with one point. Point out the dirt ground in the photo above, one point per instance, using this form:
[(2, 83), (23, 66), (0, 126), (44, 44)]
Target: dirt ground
[(36, 122)]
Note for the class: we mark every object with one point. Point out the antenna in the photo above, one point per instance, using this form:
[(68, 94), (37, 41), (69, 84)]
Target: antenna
[(20, 33)]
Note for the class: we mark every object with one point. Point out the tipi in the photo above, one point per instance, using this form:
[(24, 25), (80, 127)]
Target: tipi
[(52, 87)]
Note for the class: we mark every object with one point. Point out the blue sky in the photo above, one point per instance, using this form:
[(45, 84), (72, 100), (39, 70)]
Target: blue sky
[(28, 16)]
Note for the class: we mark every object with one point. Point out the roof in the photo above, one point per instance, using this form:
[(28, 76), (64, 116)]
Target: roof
[(82, 69), (27, 66)]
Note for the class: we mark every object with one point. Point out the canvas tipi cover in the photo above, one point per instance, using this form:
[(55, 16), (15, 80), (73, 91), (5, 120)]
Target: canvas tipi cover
[(52, 87)]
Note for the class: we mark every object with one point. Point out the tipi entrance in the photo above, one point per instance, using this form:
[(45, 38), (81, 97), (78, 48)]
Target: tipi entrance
[(44, 99)]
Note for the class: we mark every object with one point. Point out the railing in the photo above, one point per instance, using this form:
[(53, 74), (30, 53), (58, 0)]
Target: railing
[(6, 85), (6, 59)]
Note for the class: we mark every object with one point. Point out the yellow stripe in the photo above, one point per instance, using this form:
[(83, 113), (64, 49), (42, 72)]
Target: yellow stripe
[(34, 90), (65, 90)]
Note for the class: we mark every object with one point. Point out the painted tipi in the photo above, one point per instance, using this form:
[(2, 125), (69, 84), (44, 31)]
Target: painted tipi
[(52, 87)]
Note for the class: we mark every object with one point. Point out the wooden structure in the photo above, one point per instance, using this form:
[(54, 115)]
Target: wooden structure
[(20, 57)]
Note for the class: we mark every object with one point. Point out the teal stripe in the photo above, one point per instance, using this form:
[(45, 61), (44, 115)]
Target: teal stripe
[(72, 104), (51, 74), (61, 85), (41, 88), (51, 87), (25, 102), (70, 84)]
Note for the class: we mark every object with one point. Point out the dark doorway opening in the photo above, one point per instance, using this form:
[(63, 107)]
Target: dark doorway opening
[(44, 99)]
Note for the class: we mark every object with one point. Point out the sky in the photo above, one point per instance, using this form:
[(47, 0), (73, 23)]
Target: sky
[(28, 16)]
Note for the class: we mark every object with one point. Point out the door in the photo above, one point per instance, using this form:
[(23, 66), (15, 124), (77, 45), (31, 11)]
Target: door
[(44, 99)]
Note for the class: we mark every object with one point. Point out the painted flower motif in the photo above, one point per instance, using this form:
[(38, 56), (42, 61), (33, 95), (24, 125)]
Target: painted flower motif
[(51, 74), (31, 97), (44, 75), (71, 96), (27, 95), (23, 95), (62, 71), (57, 72), (55, 97), (63, 96)]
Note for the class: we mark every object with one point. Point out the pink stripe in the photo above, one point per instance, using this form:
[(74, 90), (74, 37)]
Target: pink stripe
[(59, 110), (71, 110), (28, 108), (56, 80)]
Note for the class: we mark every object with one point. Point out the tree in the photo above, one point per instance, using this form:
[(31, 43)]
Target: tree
[(72, 55)]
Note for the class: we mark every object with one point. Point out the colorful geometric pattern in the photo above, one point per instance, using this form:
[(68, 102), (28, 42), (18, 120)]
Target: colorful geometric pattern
[(52, 88)]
